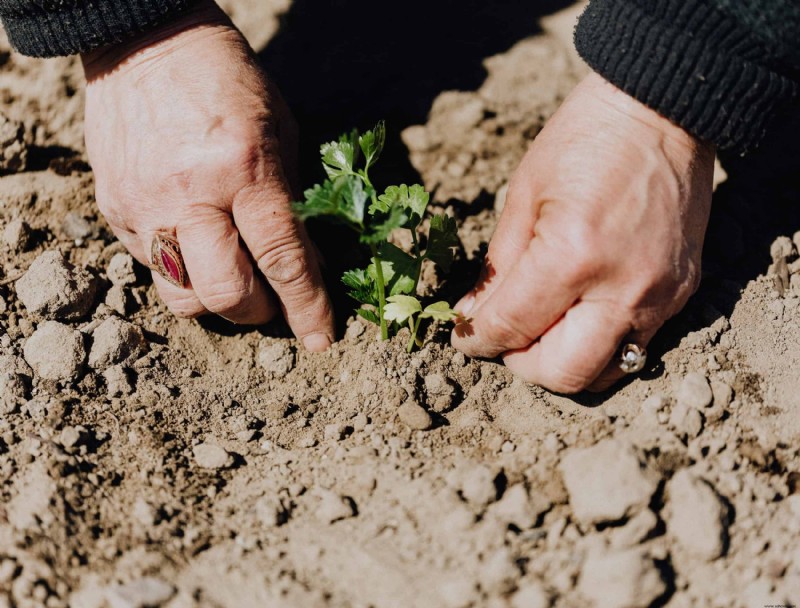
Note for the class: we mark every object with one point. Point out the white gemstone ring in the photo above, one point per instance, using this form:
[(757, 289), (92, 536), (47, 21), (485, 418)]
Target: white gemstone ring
[(632, 358)]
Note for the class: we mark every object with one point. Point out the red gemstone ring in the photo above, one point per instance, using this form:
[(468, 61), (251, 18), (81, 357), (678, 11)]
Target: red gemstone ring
[(166, 259)]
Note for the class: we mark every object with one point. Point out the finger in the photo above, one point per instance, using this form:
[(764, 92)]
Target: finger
[(284, 255), (220, 269), (182, 302), (612, 372), (514, 232), (572, 353), (532, 296)]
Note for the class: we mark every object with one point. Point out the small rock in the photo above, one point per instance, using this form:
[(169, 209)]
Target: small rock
[(115, 341), (17, 235), (360, 421), (118, 381), (53, 288), (620, 579), (654, 403), (118, 299), (686, 420), (271, 512), (723, 393), (70, 437), (13, 391), (530, 595), (333, 507), (478, 485), (277, 358), (517, 508), (210, 456), (120, 269), (144, 513), (147, 592), (354, 330), (414, 416), (694, 391), (76, 227), (55, 351), (636, 530), (335, 431), (781, 248), (14, 142), (440, 392), (697, 517), (606, 482)]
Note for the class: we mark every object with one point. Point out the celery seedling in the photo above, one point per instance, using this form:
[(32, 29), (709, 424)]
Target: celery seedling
[(349, 197)]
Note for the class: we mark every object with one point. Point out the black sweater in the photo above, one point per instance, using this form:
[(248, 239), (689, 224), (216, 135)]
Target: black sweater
[(719, 68)]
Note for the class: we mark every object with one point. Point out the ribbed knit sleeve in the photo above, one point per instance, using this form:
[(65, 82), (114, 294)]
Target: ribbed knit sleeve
[(694, 63), (48, 28)]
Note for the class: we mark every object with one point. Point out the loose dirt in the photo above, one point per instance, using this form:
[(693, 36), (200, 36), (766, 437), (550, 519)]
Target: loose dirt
[(150, 461)]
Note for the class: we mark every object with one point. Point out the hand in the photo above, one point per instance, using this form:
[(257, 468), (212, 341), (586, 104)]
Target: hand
[(599, 242), (186, 136)]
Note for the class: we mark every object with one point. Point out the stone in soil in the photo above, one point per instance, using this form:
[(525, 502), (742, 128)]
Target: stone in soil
[(414, 416), (516, 507), (147, 592), (271, 511), (697, 517), (620, 579), (55, 351), (606, 482), (686, 420), (439, 392), (118, 299), (52, 288), (13, 391), (478, 485), (14, 141), (17, 235), (120, 270), (115, 341), (781, 248), (77, 227), (210, 456), (333, 507), (118, 381), (694, 391), (277, 358)]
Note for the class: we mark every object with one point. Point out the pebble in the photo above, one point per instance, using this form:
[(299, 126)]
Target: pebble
[(440, 392), (516, 507), (147, 592), (654, 403), (620, 579), (115, 341), (70, 436), (781, 248), (120, 269), (686, 420), (210, 456), (530, 595), (277, 358), (76, 227), (723, 393), (478, 485), (118, 381), (334, 507), (55, 351), (118, 299), (17, 235), (335, 431), (636, 530), (271, 511), (414, 416), (53, 288), (697, 517), (694, 391), (606, 482), (13, 391)]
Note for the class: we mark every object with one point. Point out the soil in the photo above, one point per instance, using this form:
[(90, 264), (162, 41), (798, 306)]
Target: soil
[(151, 461)]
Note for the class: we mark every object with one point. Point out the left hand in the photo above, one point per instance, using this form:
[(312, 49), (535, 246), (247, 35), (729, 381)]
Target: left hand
[(599, 242)]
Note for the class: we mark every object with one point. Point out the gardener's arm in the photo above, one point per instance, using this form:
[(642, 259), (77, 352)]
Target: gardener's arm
[(187, 137), (601, 236)]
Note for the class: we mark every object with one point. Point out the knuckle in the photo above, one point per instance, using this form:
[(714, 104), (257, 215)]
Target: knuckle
[(284, 263)]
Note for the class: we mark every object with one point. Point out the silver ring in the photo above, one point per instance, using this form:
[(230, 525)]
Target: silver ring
[(632, 358)]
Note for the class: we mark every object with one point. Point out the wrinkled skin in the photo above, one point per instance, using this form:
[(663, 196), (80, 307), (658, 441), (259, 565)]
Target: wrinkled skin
[(185, 135), (599, 242)]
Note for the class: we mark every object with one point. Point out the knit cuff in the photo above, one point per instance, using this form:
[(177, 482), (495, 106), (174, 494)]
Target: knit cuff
[(690, 63), (77, 27)]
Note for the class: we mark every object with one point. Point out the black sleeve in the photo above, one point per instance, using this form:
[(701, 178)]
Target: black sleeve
[(48, 28), (721, 69)]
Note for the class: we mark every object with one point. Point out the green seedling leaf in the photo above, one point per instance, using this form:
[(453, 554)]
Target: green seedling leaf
[(442, 238), (439, 311), (401, 308), (379, 230), (361, 286), (400, 270), (343, 199), (339, 157), (371, 144), (413, 198), (369, 315)]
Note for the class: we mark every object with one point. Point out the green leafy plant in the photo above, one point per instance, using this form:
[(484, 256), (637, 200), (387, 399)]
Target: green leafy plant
[(386, 288)]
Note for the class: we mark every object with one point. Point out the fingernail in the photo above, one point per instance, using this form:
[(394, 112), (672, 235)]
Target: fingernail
[(465, 304), (317, 343)]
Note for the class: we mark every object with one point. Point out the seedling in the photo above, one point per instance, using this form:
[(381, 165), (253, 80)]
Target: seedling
[(387, 287)]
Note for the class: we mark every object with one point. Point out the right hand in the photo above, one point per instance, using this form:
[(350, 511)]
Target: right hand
[(186, 136)]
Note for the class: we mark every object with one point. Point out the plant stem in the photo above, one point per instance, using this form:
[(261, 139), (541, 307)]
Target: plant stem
[(380, 287), (414, 327)]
